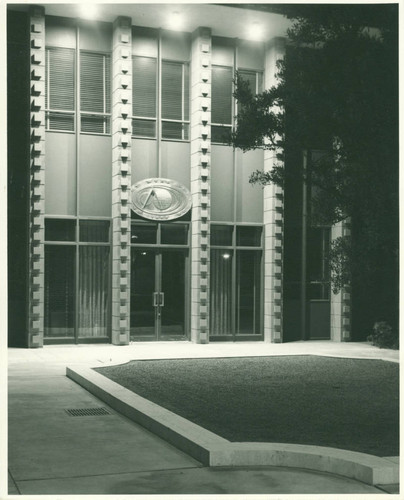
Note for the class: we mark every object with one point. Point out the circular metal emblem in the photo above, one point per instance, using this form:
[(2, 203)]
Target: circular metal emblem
[(160, 199)]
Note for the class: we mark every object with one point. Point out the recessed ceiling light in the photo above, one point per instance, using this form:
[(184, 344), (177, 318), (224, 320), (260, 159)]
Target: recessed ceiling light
[(226, 256), (88, 10), (175, 21), (255, 32)]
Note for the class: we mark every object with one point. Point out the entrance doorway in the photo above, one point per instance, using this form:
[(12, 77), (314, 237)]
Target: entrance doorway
[(158, 299)]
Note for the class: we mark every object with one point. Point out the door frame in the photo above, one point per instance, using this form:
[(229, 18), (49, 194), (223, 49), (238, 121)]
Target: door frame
[(158, 249), (158, 253)]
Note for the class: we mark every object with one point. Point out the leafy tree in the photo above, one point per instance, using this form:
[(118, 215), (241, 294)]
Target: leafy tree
[(338, 92)]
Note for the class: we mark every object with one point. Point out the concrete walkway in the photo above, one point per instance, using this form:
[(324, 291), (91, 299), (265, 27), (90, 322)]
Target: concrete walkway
[(51, 452)]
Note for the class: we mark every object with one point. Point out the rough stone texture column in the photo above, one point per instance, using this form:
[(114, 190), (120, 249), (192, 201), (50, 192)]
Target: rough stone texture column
[(37, 177), (273, 220), (341, 301), (121, 177), (201, 72)]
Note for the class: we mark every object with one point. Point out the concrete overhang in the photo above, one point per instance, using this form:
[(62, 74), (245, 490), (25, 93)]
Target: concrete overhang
[(226, 21)]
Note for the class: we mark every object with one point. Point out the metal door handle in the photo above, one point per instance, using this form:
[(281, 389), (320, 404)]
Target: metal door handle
[(155, 301), (161, 299)]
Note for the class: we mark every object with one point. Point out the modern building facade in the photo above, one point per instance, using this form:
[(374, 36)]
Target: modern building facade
[(130, 218)]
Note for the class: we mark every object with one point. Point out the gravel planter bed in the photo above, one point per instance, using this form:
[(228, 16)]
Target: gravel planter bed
[(351, 404)]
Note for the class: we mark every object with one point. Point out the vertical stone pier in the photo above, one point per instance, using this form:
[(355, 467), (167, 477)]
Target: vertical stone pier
[(273, 220), (201, 73), (121, 177), (37, 177)]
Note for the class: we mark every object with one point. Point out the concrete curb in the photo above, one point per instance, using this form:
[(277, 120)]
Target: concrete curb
[(213, 450)]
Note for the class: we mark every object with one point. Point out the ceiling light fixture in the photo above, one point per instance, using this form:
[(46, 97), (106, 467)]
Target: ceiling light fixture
[(88, 11), (175, 21), (255, 32)]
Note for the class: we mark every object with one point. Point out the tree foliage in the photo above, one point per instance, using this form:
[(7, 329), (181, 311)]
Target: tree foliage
[(338, 92)]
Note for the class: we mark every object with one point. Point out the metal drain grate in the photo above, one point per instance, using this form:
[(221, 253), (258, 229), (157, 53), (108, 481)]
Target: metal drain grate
[(87, 412)]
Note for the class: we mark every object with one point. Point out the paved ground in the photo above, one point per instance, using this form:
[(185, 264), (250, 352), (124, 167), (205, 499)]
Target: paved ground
[(51, 452)]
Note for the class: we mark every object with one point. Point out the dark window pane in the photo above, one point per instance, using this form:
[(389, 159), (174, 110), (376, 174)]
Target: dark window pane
[(94, 230), (319, 291), (60, 230), (143, 286), (220, 134), (144, 233), (248, 283), (221, 235), (59, 291), (248, 236), (174, 234), (250, 77), (222, 88), (260, 82), (318, 244), (292, 291), (143, 128)]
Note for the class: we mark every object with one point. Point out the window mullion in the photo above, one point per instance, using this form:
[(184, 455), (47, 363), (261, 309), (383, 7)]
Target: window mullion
[(182, 100), (104, 92)]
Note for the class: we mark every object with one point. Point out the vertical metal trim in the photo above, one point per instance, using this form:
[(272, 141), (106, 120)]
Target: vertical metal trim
[(110, 264), (262, 284), (104, 93), (78, 128), (158, 258), (187, 291), (158, 121), (234, 294), (235, 110), (183, 100), (303, 291), (47, 79)]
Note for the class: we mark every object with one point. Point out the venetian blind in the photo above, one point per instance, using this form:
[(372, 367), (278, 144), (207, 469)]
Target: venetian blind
[(144, 86), (222, 86), (95, 82), (171, 91), (59, 88), (61, 78), (95, 73)]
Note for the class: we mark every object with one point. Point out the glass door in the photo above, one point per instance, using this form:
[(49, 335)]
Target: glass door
[(158, 298), (172, 287)]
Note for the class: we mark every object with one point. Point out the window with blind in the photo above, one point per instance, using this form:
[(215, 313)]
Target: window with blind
[(144, 98), (254, 79), (95, 92), (59, 89), (222, 102), (175, 100)]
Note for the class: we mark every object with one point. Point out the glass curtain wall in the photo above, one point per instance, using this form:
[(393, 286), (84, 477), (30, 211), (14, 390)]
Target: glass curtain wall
[(221, 272), (248, 287), (162, 97), (159, 281), (76, 280), (60, 263), (93, 292), (235, 282)]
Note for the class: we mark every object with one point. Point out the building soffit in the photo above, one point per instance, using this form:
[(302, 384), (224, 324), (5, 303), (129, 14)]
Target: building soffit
[(224, 21)]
